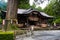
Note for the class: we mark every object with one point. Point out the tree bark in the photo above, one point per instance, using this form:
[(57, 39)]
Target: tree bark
[(11, 12)]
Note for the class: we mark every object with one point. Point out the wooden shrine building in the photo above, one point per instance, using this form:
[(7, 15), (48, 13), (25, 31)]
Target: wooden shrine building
[(32, 17)]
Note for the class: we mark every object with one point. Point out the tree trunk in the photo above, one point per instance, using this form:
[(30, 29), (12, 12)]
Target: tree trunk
[(11, 12)]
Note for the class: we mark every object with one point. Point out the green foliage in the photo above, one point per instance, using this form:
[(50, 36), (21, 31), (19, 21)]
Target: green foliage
[(11, 27), (39, 9), (1, 21), (54, 9), (6, 35), (49, 9), (33, 6), (0, 18), (14, 27), (23, 4), (57, 20)]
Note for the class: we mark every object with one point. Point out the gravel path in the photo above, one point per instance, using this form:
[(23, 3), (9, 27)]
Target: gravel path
[(40, 35)]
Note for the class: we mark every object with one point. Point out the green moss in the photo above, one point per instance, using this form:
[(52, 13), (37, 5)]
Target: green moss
[(6, 35)]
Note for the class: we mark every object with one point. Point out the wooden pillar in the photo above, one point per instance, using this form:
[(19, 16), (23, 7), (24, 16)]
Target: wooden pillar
[(11, 12)]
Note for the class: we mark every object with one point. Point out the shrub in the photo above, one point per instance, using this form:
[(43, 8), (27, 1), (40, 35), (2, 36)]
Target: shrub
[(57, 20), (6, 35)]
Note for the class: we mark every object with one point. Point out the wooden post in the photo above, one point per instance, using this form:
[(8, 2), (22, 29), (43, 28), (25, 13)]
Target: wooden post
[(11, 12)]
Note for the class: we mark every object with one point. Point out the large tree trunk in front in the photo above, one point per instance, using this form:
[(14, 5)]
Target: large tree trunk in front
[(11, 12)]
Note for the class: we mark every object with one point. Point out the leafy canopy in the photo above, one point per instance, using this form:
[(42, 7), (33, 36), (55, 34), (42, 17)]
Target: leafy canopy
[(54, 9)]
